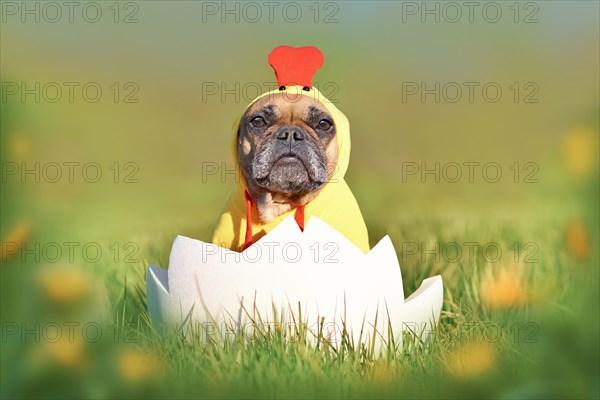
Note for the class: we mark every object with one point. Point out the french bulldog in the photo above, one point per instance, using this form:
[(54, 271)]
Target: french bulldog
[(286, 151)]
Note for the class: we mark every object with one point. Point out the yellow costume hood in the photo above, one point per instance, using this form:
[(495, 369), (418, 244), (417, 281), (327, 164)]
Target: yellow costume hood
[(335, 204)]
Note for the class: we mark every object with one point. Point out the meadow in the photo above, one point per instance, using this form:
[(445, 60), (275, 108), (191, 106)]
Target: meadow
[(498, 195), (524, 324)]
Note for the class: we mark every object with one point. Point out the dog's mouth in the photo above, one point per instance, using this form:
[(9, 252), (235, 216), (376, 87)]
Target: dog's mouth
[(289, 158), (290, 173), (263, 170)]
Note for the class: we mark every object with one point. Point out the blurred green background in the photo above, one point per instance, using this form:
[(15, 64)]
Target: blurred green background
[(173, 77)]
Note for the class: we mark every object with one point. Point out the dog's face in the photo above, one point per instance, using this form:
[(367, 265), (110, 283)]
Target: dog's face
[(287, 147)]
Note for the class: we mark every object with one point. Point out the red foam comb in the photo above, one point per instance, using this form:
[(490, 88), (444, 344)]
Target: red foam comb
[(295, 65)]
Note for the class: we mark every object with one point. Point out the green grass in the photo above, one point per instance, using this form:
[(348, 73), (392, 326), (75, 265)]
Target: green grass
[(532, 356), (546, 347)]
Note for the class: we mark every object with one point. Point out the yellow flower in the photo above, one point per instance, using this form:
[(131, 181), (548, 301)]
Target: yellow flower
[(65, 284), (504, 290), (136, 365), (13, 241), (18, 145), (471, 359), (68, 351), (580, 151), (578, 242)]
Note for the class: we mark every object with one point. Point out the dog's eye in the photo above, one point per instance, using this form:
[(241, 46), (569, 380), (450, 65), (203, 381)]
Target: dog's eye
[(258, 122), (324, 125)]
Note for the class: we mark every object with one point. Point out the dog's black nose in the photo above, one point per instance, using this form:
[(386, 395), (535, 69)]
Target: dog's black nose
[(290, 134)]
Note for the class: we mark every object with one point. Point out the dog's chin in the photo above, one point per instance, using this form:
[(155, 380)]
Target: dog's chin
[(289, 175)]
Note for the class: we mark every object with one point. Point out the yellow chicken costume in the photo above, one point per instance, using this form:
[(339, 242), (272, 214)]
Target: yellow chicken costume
[(239, 225)]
